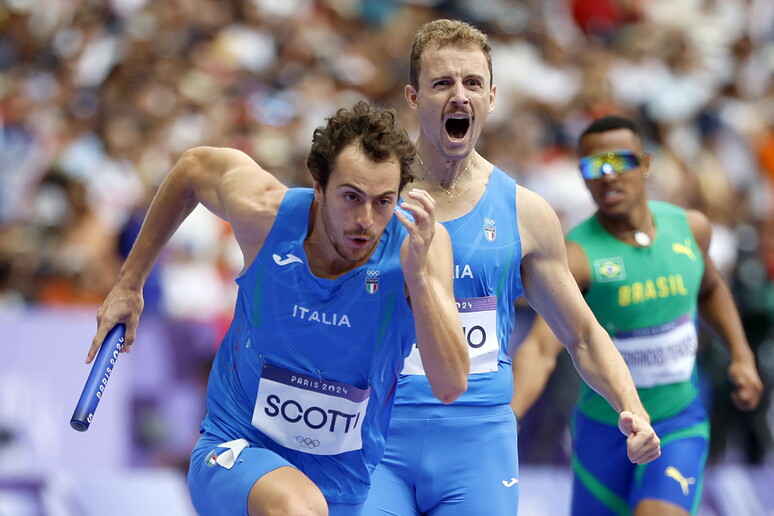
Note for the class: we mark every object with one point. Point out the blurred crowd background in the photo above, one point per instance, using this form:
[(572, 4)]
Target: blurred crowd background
[(99, 98)]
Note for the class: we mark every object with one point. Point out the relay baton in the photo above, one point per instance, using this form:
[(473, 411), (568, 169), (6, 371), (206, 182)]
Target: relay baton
[(98, 378)]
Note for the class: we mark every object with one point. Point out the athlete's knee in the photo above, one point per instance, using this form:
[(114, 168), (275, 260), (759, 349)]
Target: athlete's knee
[(291, 506), (652, 507), (294, 496)]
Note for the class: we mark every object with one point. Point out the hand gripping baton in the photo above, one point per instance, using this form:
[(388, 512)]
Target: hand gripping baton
[(98, 378)]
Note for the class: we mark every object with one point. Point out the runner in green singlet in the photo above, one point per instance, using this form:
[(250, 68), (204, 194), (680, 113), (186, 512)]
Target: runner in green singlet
[(644, 270)]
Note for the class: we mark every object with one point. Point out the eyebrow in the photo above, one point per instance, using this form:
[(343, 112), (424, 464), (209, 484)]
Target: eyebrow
[(465, 77), (361, 192)]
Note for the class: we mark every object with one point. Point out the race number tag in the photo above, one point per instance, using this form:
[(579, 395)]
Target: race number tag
[(479, 325), (308, 414), (660, 355)]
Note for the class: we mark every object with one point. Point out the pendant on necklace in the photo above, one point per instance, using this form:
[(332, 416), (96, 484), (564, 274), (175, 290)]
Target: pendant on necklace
[(642, 238)]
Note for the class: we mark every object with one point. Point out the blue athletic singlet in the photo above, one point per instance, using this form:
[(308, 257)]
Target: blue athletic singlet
[(487, 280), (481, 473), (308, 367)]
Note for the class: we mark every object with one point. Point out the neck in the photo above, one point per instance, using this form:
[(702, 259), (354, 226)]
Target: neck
[(323, 258), (454, 178), (638, 228), (639, 219)]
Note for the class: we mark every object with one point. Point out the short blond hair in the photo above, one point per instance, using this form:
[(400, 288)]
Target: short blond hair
[(441, 33)]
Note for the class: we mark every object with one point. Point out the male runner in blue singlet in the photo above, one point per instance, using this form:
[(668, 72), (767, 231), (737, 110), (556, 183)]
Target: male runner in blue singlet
[(336, 287), (461, 459)]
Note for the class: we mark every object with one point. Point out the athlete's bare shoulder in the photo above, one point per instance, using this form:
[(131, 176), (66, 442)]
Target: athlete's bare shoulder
[(236, 188), (701, 227), (244, 187), (538, 223)]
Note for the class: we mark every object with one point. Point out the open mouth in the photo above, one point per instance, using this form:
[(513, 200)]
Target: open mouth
[(457, 128), (360, 241), (611, 196)]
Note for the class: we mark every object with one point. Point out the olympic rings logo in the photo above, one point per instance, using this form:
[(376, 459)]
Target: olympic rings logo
[(372, 274), (307, 442), (489, 222)]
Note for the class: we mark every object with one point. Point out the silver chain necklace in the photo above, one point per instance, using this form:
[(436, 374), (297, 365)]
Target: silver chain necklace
[(447, 191)]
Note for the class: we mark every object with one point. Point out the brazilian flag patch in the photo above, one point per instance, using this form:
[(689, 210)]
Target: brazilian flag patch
[(609, 269)]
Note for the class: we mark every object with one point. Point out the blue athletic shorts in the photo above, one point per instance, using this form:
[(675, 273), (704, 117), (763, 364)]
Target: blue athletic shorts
[(217, 491), (447, 466), (606, 483)]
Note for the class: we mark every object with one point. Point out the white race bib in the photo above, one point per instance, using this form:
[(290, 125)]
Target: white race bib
[(660, 355), (479, 325), (308, 414)]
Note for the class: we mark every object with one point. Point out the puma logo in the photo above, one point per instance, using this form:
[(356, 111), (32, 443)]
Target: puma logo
[(685, 249), (673, 472), (291, 258), (511, 482)]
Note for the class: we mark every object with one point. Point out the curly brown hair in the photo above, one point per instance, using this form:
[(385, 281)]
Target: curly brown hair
[(441, 33), (375, 130)]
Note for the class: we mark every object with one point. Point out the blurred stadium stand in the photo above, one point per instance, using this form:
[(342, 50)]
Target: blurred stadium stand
[(98, 99)]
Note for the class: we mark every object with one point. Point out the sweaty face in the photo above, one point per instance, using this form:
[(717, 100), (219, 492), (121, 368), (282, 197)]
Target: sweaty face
[(616, 193), (357, 204), (453, 99)]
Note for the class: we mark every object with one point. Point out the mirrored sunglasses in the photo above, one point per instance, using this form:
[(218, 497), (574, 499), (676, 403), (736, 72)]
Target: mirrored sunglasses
[(605, 163)]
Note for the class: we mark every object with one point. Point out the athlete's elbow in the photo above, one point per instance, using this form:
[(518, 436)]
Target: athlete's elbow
[(451, 389), (194, 156), (190, 161)]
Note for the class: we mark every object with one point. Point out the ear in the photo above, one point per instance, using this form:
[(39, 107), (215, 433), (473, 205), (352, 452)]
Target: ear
[(492, 95), (645, 164), (411, 96), (319, 193)]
